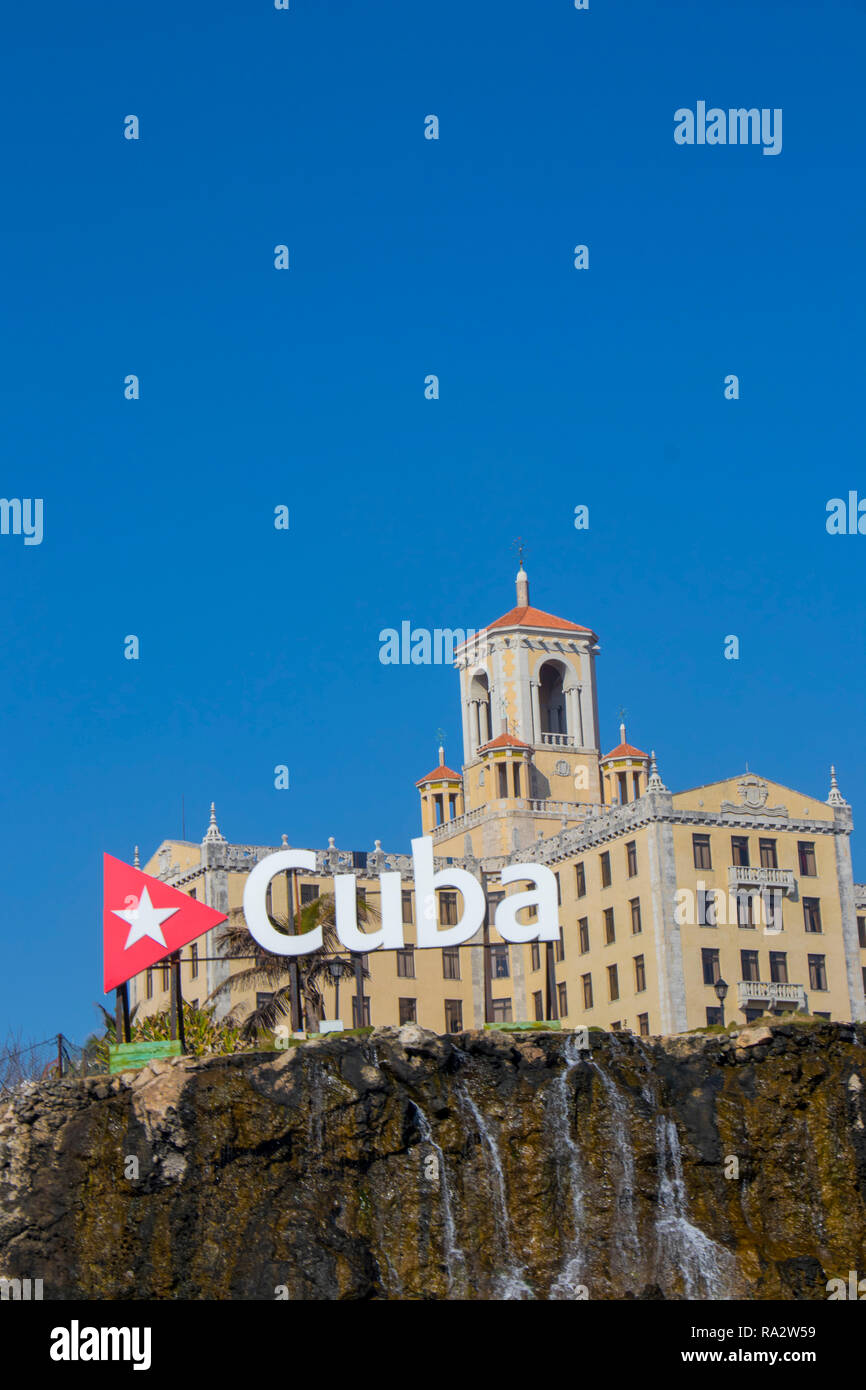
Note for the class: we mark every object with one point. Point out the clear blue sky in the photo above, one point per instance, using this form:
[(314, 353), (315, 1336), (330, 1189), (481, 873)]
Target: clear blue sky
[(305, 387)]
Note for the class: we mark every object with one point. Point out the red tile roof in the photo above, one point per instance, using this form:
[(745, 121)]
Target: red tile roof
[(624, 750), (534, 617), (440, 774), (503, 741)]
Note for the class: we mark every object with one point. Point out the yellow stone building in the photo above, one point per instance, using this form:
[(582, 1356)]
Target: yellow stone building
[(661, 894)]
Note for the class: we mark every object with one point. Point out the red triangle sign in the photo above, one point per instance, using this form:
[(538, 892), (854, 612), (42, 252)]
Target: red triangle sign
[(145, 920)]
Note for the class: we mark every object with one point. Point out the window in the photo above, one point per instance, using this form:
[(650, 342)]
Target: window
[(586, 981), (701, 851), (706, 907), (448, 909), (639, 975), (166, 975), (364, 1021), (636, 925), (643, 1025), (812, 914), (515, 777), (772, 901), (408, 1010), (148, 984), (767, 849), (740, 851), (534, 956), (609, 929), (558, 890), (583, 934), (452, 806), (439, 808), (502, 772), (863, 972), (580, 875), (559, 948), (451, 963), (714, 1015), (710, 965), (635, 782), (745, 908), (605, 869), (615, 1027), (263, 997), (501, 1010), (861, 931), (309, 893), (538, 1004), (499, 967), (749, 965), (817, 972), (806, 856), (453, 1016), (612, 982), (562, 998), (818, 1014), (407, 907), (493, 901), (631, 858), (778, 967), (623, 787), (193, 961), (406, 963)]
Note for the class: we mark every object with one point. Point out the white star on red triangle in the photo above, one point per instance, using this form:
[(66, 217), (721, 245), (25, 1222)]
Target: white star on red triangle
[(144, 920)]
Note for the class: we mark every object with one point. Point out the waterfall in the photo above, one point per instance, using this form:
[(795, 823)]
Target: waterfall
[(569, 1280), (707, 1269), (455, 1260), (511, 1284), (627, 1249)]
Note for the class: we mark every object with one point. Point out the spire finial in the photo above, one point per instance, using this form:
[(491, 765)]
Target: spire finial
[(440, 734), (835, 798), (522, 577), (135, 860), (622, 714), (213, 830), (655, 783)]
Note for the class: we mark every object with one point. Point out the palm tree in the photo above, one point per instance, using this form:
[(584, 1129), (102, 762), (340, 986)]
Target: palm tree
[(270, 970)]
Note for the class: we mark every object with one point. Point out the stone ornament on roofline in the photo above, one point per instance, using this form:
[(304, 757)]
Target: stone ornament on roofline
[(753, 797)]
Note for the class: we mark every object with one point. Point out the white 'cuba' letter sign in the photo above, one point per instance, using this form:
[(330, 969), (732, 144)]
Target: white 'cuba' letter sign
[(390, 934)]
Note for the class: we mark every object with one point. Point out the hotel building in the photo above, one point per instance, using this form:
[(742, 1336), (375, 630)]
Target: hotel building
[(662, 894)]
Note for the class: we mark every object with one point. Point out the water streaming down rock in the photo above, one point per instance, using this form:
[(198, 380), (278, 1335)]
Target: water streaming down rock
[(569, 1281), (685, 1255), (626, 1259), (544, 1170), (455, 1260), (511, 1283)]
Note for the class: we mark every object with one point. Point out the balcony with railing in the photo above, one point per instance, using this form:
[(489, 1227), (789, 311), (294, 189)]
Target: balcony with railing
[(557, 740), (771, 992), (756, 876)]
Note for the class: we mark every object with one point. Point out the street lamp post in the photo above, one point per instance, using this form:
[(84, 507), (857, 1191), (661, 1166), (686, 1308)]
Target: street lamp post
[(336, 969), (721, 988)]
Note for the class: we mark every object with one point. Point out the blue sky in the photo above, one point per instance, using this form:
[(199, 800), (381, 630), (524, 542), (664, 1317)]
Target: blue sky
[(305, 387)]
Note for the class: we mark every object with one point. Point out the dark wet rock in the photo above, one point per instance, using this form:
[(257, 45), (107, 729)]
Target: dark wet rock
[(404, 1165)]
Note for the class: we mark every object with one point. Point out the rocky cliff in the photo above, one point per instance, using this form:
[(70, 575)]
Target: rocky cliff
[(403, 1165)]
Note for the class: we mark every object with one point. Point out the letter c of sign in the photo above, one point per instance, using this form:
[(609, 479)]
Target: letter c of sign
[(255, 904)]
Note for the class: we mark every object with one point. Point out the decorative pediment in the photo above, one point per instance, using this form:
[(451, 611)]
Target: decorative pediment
[(753, 797)]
